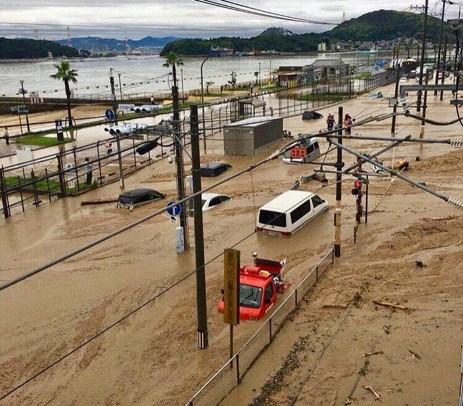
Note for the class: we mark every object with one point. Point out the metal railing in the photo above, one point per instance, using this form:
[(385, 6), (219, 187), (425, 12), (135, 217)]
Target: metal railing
[(230, 375)]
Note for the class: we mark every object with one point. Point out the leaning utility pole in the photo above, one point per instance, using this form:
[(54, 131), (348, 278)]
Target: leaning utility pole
[(199, 237), (337, 214), (423, 48)]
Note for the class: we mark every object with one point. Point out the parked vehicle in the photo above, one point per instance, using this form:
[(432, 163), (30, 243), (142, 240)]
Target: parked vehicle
[(307, 150), (311, 115), (290, 211), (210, 200), (137, 197), (259, 285), (213, 169), (125, 128)]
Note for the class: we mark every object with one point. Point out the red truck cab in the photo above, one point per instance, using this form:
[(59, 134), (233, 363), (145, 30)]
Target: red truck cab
[(259, 285)]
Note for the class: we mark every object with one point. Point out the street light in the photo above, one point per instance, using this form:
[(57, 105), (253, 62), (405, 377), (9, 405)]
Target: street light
[(23, 92), (202, 103)]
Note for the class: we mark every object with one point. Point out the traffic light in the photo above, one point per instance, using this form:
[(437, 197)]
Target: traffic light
[(357, 188)]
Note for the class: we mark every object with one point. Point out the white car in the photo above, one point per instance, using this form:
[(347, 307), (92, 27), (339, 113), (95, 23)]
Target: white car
[(125, 129), (211, 200)]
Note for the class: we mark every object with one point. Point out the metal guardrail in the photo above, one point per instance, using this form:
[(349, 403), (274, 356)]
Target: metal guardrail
[(230, 375)]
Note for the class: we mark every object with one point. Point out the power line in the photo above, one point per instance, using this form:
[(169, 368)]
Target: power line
[(260, 12)]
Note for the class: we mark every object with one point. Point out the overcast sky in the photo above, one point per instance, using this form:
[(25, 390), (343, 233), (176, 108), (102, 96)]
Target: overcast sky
[(135, 19)]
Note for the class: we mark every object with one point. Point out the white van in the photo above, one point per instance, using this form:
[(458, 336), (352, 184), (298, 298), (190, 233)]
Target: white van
[(311, 151), (290, 211)]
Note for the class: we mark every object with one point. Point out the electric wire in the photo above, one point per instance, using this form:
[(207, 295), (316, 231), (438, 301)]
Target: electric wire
[(249, 169), (262, 14)]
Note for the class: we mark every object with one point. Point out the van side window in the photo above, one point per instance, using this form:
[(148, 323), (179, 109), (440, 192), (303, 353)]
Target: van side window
[(315, 145), (300, 211), (311, 148), (272, 218), (317, 201)]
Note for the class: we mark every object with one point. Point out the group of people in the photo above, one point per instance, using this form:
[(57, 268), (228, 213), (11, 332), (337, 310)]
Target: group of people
[(347, 122)]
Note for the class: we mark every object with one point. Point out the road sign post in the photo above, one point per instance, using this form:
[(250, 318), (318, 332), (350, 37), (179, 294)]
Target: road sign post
[(174, 209)]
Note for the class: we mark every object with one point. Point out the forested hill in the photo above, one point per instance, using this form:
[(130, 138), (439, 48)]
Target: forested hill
[(281, 43), (32, 49), (387, 25), (375, 26)]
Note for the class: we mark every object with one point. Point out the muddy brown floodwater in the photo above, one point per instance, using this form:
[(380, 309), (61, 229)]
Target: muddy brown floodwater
[(151, 357)]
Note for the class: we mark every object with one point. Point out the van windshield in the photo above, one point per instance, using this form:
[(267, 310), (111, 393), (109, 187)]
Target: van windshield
[(250, 296), (272, 218)]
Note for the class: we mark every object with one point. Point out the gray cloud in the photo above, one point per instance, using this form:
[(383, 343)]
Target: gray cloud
[(48, 19)]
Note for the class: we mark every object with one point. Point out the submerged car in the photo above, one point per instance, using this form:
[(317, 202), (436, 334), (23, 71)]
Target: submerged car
[(138, 197), (210, 200), (311, 115), (213, 169)]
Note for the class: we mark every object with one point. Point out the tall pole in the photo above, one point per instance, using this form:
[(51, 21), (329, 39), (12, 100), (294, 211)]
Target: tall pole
[(423, 47), (179, 157), (445, 68), (440, 47), (396, 94), (202, 104), (23, 92), (199, 237), (183, 93), (339, 165), (120, 86), (118, 141)]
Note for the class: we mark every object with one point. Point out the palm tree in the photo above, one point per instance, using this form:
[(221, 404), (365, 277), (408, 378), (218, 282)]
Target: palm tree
[(173, 60), (66, 74)]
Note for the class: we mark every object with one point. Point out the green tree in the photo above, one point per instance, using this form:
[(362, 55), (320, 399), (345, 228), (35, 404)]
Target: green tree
[(207, 86), (66, 74)]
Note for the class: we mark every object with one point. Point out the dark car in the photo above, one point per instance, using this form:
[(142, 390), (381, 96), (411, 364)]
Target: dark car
[(137, 197), (213, 169), (311, 115)]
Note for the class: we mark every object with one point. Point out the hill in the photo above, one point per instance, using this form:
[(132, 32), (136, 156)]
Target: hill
[(379, 25), (117, 45), (387, 25), (31, 49)]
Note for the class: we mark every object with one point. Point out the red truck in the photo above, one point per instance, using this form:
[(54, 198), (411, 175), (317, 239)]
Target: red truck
[(259, 285)]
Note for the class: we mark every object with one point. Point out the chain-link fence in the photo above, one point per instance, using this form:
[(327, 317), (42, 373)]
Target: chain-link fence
[(230, 375), (70, 172)]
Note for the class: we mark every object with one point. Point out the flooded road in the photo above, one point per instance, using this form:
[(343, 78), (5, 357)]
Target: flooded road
[(52, 313)]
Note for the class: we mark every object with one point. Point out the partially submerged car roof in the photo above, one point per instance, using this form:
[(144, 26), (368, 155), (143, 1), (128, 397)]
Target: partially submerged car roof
[(212, 169), (137, 192)]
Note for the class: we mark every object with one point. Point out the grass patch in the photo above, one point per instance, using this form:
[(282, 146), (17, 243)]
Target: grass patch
[(41, 185), (323, 97), (362, 75), (41, 141)]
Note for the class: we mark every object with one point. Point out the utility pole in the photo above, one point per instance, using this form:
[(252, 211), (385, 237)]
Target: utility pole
[(199, 237), (423, 47), (118, 140), (202, 104), (23, 92), (120, 86), (445, 68), (179, 158), (396, 94), (339, 165), (440, 47)]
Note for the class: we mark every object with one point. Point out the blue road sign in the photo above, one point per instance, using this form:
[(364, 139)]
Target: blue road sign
[(174, 209), (109, 114)]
